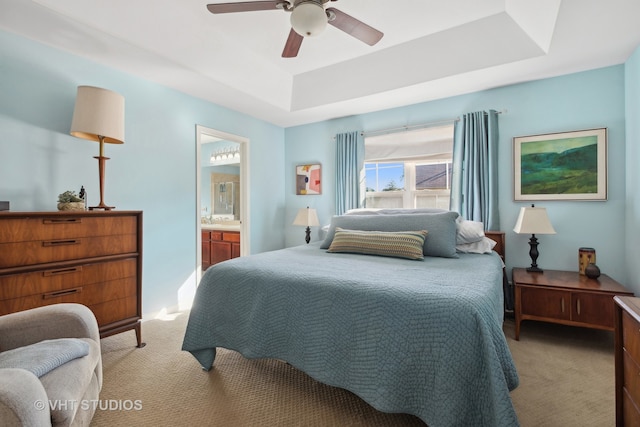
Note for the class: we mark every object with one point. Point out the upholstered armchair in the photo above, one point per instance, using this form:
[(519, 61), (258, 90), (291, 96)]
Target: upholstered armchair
[(64, 342)]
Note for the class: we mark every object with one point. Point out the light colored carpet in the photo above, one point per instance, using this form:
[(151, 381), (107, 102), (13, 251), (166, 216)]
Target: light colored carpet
[(566, 379)]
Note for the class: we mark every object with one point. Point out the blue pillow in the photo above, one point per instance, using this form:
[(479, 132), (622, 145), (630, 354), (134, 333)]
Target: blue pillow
[(441, 228)]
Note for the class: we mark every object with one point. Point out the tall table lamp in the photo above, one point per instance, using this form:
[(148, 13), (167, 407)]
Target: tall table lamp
[(533, 221), (99, 116), (308, 218)]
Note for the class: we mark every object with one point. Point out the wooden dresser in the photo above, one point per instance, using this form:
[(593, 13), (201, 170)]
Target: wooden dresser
[(88, 257), (627, 357)]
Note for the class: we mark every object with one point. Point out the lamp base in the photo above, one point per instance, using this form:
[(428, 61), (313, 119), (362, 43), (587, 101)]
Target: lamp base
[(101, 206), (101, 167), (534, 270)]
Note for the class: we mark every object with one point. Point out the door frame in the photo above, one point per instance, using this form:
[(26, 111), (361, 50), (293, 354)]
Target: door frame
[(244, 190)]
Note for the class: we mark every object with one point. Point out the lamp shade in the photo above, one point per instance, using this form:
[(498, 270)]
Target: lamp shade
[(306, 217), (98, 113), (309, 18), (532, 220)]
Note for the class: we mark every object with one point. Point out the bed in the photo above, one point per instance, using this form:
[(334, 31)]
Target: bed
[(418, 336)]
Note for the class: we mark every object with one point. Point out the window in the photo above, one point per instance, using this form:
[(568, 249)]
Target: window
[(409, 169)]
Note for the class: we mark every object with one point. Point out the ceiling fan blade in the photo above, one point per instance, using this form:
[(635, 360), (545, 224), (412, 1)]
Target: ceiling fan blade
[(292, 46), (354, 27), (247, 6)]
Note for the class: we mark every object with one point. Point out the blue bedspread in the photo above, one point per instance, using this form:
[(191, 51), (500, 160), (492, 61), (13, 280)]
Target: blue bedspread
[(418, 337)]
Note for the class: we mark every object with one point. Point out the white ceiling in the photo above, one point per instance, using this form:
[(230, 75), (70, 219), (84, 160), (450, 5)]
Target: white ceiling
[(430, 49)]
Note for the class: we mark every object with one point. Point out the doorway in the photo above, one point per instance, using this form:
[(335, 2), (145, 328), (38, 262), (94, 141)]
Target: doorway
[(214, 147)]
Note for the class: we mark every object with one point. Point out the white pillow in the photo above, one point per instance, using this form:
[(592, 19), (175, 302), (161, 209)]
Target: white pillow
[(484, 246), (468, 231)]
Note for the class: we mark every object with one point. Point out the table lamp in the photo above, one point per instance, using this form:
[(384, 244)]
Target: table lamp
[(533, 221), (99, 116), (308, 218)]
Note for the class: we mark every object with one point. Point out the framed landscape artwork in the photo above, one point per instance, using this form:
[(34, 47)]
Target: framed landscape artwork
[(561, 166), (308, 180)]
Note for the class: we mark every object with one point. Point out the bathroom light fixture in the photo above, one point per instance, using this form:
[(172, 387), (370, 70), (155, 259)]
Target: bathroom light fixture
[(533, 221), (309, 18), (225, 156)]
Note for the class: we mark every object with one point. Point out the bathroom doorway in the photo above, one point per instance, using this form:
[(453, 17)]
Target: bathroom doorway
[(222, 185)]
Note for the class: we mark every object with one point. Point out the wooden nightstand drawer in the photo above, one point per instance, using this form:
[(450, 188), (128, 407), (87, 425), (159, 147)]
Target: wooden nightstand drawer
[(593, 308), (547, 303)]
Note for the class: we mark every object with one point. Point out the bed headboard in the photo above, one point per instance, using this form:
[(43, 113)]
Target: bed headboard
[(498, 237)]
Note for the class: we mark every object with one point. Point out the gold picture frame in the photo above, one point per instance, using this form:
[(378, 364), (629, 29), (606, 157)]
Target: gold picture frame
[(561, 166)]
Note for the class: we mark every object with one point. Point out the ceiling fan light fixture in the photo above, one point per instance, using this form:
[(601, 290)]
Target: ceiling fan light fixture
[(308, 18)]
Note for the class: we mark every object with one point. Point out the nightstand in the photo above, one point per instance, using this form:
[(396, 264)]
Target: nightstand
[(565, 297)]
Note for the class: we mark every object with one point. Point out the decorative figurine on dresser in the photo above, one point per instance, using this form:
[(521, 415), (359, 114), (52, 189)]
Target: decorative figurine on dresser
[(88, 257)]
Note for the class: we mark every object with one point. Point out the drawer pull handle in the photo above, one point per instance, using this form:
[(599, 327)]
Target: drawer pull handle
[(61, 293), (578, 307), (62, 221), (47, 243), (62, 271), (562, 304)]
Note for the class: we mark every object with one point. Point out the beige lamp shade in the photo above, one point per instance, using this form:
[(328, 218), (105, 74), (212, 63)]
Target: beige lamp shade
[(532, 220), (98, 113), (306, 217)]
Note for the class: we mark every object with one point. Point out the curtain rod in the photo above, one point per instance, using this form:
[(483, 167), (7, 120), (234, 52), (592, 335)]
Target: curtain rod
[(407, 128)]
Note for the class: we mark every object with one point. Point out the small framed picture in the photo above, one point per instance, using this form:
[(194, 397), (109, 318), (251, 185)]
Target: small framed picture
[(561, 166), (308, 180)]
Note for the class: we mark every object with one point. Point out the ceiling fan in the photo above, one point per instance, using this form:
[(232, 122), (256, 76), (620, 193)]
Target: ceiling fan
[(308, 18)]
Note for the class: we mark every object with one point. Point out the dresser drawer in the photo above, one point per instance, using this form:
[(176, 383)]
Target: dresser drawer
[(65, 227), (122, 310), (631, 336), (631, 379), (88, 294), (630, 411), (58, 279), (20, 254)]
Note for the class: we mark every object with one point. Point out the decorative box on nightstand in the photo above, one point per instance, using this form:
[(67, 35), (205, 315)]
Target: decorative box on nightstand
[(565, 297)]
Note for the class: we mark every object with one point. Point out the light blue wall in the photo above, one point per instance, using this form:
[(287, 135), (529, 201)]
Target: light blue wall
[(579, 101), (154, 171), (632, 228)]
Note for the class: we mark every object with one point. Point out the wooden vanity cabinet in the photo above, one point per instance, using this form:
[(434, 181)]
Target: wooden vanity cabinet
[(218, 246)]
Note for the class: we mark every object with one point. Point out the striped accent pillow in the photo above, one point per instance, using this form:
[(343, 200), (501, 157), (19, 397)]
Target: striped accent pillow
[(399, 244)]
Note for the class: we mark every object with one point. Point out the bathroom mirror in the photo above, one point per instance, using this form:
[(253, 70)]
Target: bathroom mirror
[(220, 194)]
